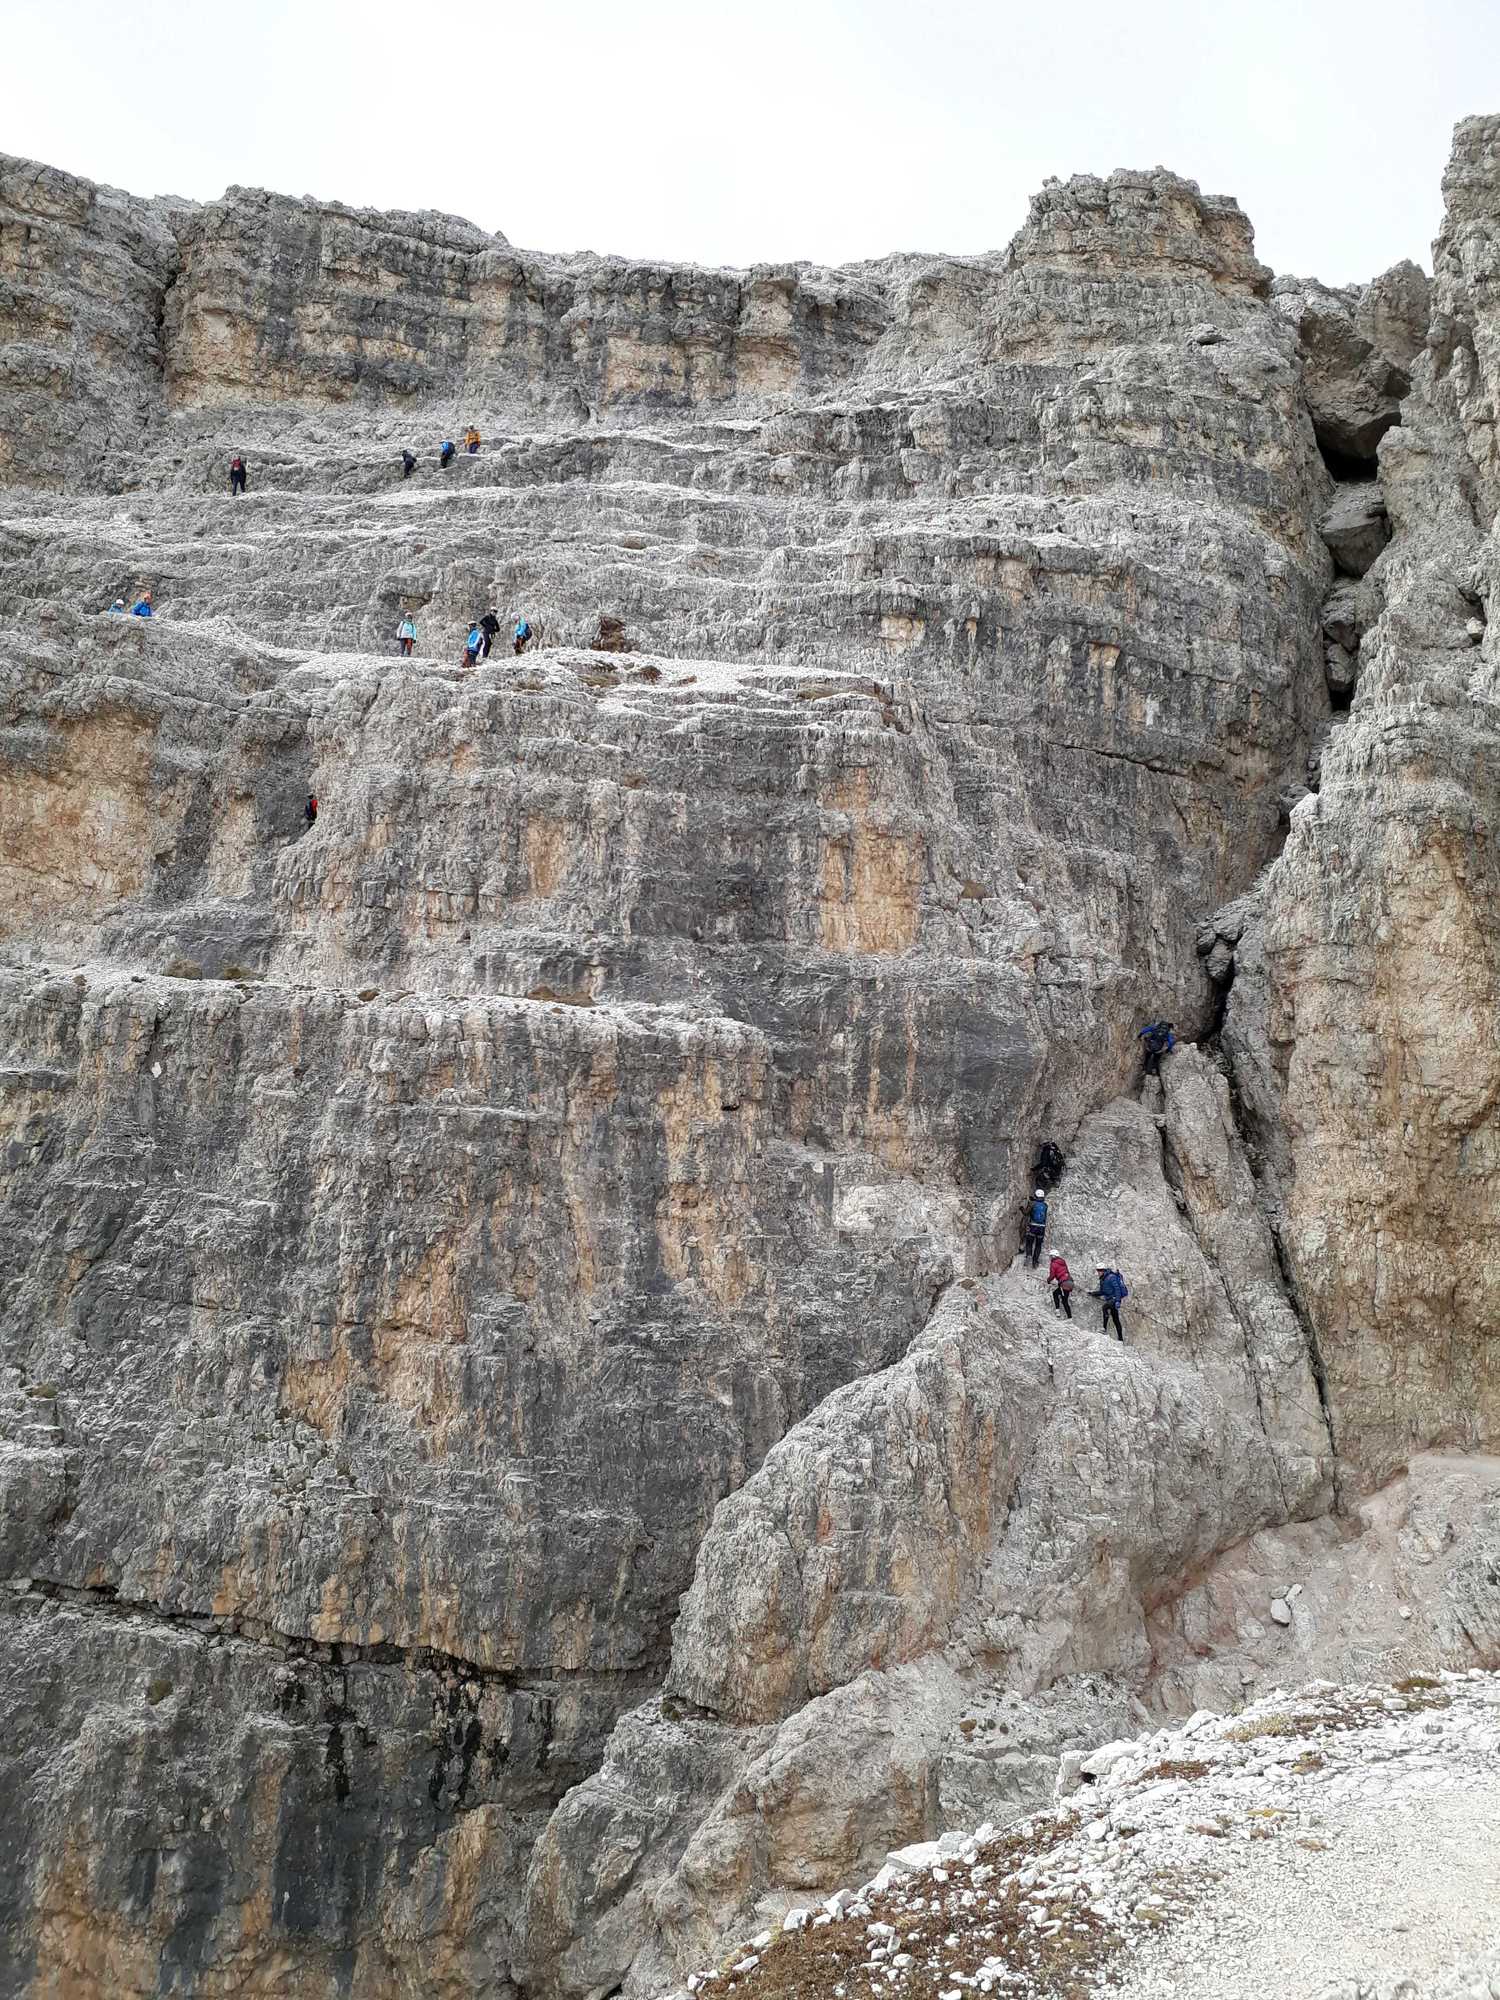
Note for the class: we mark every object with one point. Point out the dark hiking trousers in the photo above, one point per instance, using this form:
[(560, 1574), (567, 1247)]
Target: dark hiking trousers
[(1111, 1312), (1061, 1302), (236, 482), (1034, 1244)]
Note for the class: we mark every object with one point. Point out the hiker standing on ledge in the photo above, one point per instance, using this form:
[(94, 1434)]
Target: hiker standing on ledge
[(406, 635), (408, 465), (523, 636), (1036, 1228), (471, 440), (236, 475), (445, 456), (489, 625)]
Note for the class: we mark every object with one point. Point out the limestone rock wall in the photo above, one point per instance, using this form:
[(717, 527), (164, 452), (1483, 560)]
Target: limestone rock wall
[(84, 273), (1380, 931), (283, 301), (525, 1444)]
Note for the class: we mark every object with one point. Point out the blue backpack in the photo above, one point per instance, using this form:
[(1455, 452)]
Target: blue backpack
[(1038, 1214)]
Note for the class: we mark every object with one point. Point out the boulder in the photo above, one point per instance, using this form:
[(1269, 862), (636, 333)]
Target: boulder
[(1356, 528)]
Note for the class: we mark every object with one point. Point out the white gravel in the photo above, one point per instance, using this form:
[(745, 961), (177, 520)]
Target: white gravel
[(1405, 1889), (1329, 1844)]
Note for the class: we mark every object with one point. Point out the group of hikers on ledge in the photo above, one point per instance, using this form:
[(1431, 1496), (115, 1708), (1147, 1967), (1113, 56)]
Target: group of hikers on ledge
[(481, 632), (239, 472), (447, 452), (1111, 1290)]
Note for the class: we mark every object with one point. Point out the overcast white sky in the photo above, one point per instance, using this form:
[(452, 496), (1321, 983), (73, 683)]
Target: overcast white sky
[(769, 129)]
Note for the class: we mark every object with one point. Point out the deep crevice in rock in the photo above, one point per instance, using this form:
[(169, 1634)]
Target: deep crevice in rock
[(1343, 468), (1314, 1352), (1270, 1213), (104, 1601)]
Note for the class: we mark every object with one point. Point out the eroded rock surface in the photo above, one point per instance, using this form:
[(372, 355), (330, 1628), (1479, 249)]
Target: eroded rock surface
[(526, 1440)]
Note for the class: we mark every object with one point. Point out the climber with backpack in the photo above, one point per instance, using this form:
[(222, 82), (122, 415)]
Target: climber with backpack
[(406, 635), (408, 464), (1112, 1292), (236, 475), (1049, 1164), (1060, 1278), (471, 440), (445, 456), (523, 636), (310, 810), (489, 625), (1036, 1228), (471, 647), (1160, 1041)]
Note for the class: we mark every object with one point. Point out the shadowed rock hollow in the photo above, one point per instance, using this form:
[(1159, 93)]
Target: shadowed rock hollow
[(526, 1443)]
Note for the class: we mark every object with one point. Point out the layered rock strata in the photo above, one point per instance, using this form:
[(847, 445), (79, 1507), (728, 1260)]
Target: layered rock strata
[(526, 1443)]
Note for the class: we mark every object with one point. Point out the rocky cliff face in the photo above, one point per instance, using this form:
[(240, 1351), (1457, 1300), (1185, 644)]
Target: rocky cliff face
[(527, 1441)]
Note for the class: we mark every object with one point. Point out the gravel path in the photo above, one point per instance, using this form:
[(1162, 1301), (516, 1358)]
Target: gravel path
[(1405, 1889)]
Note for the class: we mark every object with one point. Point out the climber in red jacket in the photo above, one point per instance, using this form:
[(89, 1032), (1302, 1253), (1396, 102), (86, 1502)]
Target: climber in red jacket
[(1060, 1278)]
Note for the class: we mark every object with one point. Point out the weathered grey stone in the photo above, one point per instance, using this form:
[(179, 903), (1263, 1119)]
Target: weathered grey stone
[(86, 271), (1381, 922), (1220, 963), (524, 1440), (1395, 311), (1348, 614), (1356, 528), (1341, 670), (1357, 350)]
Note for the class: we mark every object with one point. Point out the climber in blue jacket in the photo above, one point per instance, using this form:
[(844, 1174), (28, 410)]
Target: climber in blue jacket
[(1112, 1291), (1160, 1041), (1036, 1227), (142, 606)]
